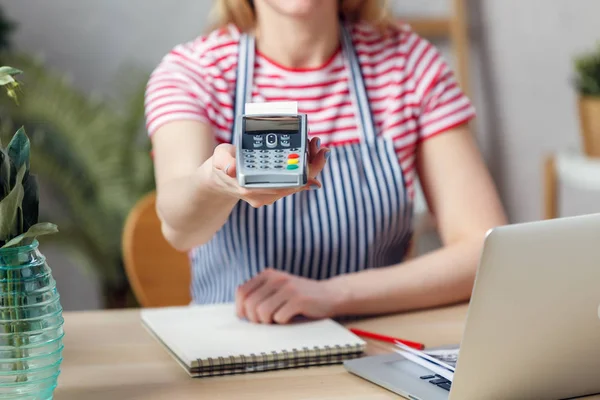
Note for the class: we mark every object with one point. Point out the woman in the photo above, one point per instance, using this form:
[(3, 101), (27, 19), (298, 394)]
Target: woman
[(383, 109)]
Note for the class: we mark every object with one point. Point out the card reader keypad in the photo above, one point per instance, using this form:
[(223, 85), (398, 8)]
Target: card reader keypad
[(277, 160)]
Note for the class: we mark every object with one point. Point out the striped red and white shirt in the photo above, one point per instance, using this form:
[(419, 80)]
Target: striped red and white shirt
[(411, 89)]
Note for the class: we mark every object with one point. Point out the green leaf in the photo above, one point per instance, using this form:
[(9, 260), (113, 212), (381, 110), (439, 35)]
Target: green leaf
[(4, 174), (13, 174), (10, 207), (40, 229), (19, 221), (31, 202), (587, 69), (19, 149), (6, 79), (10, 71)]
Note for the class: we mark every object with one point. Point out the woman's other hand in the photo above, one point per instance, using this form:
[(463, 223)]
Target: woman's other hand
[(277, 297), (224, 174)]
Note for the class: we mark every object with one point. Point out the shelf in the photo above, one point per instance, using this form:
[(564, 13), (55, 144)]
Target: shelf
[(430, 27)]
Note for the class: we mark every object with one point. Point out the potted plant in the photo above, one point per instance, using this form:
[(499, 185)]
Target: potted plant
[(31, 322), (587, 67), (82, 143)]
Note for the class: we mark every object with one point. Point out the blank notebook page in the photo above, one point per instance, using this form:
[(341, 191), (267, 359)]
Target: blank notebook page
[(212, 331)]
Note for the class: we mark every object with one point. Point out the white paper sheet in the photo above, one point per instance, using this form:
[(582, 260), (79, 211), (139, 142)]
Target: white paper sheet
[(423, 359), (274, 107), (448, 356)]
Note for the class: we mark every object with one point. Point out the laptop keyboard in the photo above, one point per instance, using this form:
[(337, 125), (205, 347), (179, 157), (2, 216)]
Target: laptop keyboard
[(438, 380)]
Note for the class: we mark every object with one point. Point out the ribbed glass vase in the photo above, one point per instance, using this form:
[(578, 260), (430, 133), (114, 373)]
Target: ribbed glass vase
[(31, 325)]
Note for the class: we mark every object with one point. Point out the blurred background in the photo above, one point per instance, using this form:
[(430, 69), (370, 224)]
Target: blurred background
[(87, 62)]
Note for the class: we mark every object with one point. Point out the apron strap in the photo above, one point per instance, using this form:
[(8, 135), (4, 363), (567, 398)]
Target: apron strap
[(358, 92), (357, 87), (244, 78)]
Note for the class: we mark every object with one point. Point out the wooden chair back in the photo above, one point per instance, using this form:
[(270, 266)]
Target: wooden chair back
[(158, 274)]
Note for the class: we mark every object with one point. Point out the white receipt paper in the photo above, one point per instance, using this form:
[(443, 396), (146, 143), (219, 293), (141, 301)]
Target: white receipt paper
[(273, 107), (428, 361)]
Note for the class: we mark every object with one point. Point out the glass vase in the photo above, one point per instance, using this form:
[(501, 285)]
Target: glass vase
[(31, 325)]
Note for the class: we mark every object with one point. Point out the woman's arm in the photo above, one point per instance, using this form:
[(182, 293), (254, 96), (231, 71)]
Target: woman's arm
[(188, 203), (462, 197), (196, 182)]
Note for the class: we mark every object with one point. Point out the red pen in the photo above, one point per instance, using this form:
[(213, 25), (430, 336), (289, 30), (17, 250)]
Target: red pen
[(384, 338)]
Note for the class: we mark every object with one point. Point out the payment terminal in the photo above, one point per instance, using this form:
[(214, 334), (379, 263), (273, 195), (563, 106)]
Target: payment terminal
[(272, 150)]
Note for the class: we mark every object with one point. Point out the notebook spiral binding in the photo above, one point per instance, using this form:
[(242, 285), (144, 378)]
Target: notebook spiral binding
[(284, 359)]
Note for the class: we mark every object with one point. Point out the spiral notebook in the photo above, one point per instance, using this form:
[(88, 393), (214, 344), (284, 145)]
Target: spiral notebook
[(209, 340)]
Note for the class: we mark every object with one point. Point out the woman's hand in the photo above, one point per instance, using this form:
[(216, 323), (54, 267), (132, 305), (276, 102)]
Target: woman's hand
[(277, 296), (224, 174)]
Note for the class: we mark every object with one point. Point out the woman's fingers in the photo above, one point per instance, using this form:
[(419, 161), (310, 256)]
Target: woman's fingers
[(318, 162), (245, 290), (255, 298), (317, 156), (267, 308), (312, 182), (313, 148), (224, 159), (271, 281), (287, 311)]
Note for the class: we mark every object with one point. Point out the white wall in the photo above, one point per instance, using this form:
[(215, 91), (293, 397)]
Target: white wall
[(521, 60), (528, 50), (90, 40)]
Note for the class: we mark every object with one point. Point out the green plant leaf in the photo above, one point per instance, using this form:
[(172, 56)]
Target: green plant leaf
[(6, 79), (4, 174), (31, 202), (19, 149), (11, 171), (19, 220), (40, 229), (6, 70), (587, 70), (10, 206)]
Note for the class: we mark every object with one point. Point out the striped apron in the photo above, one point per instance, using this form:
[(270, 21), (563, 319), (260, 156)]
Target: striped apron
[(361, 218)]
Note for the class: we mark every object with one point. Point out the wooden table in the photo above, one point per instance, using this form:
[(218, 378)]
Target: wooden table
[(109, 355)]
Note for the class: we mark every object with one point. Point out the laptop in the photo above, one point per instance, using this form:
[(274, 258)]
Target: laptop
[(533, 325)]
